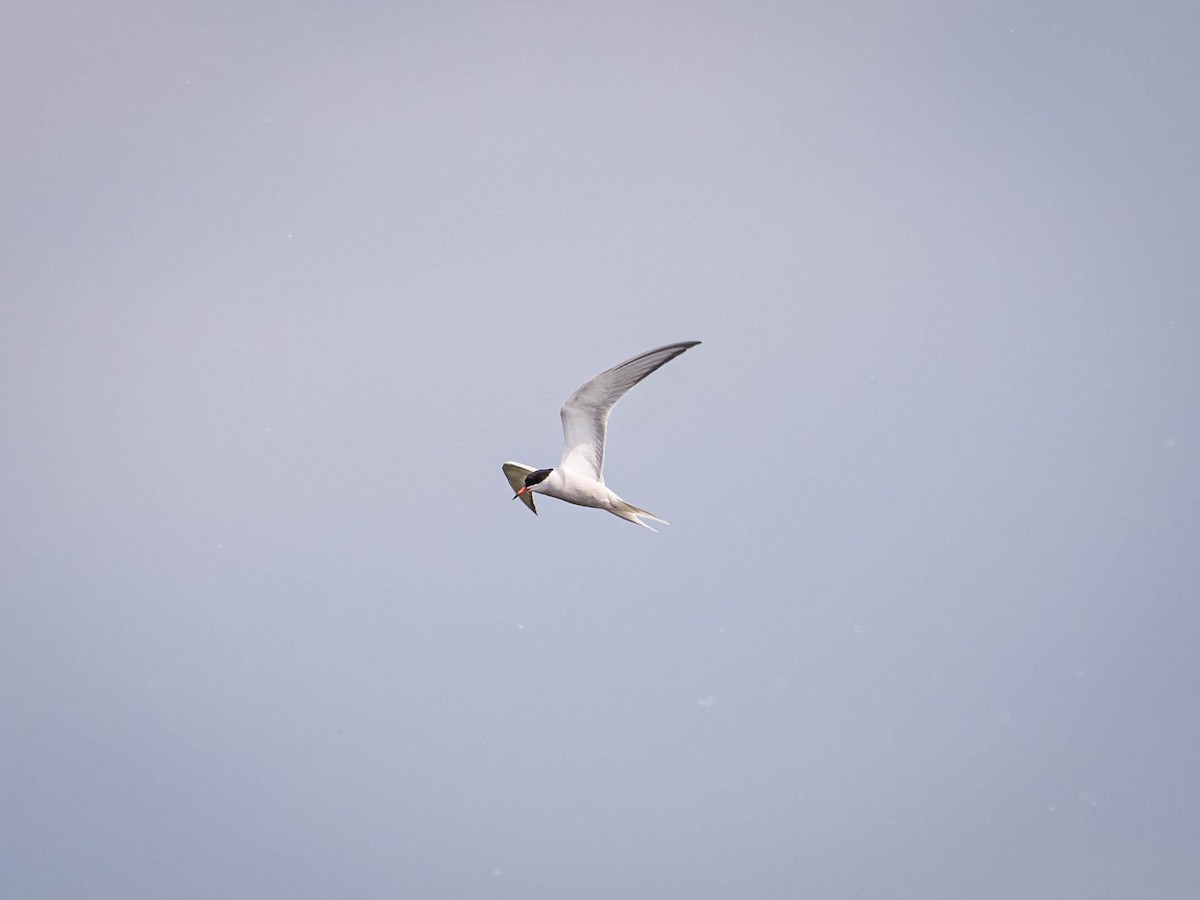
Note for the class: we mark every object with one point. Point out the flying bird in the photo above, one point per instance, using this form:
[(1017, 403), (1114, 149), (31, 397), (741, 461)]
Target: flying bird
[(579, 477)]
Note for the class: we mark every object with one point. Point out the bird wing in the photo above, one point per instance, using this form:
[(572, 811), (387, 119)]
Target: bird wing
[(585, 414), (515, 473)]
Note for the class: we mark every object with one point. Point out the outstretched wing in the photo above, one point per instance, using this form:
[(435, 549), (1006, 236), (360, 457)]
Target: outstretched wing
[(585, 414), (515, 473)]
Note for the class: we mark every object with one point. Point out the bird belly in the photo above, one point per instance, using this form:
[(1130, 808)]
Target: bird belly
[(579, 489)]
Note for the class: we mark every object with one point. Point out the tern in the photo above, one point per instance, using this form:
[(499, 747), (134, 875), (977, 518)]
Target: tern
[(579, 477)]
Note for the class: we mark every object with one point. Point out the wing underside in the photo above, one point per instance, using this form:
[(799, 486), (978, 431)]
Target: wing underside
[(585, 414)]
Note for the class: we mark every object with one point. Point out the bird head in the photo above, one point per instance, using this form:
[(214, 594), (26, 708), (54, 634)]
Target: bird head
[(532, 480)]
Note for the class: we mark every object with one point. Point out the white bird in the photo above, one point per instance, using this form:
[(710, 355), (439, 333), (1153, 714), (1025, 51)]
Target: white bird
[(579, 477)]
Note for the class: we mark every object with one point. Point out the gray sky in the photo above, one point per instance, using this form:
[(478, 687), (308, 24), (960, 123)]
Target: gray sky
[(283, 285)]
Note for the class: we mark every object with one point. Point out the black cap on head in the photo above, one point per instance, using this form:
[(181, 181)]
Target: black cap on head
[(537, 477)]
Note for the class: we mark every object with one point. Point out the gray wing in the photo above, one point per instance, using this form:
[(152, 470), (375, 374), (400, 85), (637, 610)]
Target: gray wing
[(585, 414), (515, 473)]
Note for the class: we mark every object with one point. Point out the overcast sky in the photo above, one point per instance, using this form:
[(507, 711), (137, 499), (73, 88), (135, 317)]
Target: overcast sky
[(284, 283)]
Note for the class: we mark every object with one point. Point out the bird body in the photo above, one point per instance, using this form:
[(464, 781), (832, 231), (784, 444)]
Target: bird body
[(579, 476)]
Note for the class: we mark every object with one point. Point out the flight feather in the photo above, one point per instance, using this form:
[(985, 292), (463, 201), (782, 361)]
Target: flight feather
[(585, 414)]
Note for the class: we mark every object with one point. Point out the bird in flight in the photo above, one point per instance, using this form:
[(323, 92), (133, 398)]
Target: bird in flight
[(579, 477)]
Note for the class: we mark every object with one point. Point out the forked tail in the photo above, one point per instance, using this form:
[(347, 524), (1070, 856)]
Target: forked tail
[(631, 513)]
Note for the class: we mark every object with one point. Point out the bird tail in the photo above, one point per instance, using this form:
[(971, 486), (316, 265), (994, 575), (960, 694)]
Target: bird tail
[(631, 513)]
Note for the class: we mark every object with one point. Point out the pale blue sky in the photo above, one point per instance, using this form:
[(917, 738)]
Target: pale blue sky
[(284, 284)]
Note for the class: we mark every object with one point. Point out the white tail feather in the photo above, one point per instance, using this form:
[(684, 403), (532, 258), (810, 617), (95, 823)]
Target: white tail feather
[(631, 513)]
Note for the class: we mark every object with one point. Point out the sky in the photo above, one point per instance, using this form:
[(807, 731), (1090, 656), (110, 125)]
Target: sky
[(283, 284)]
